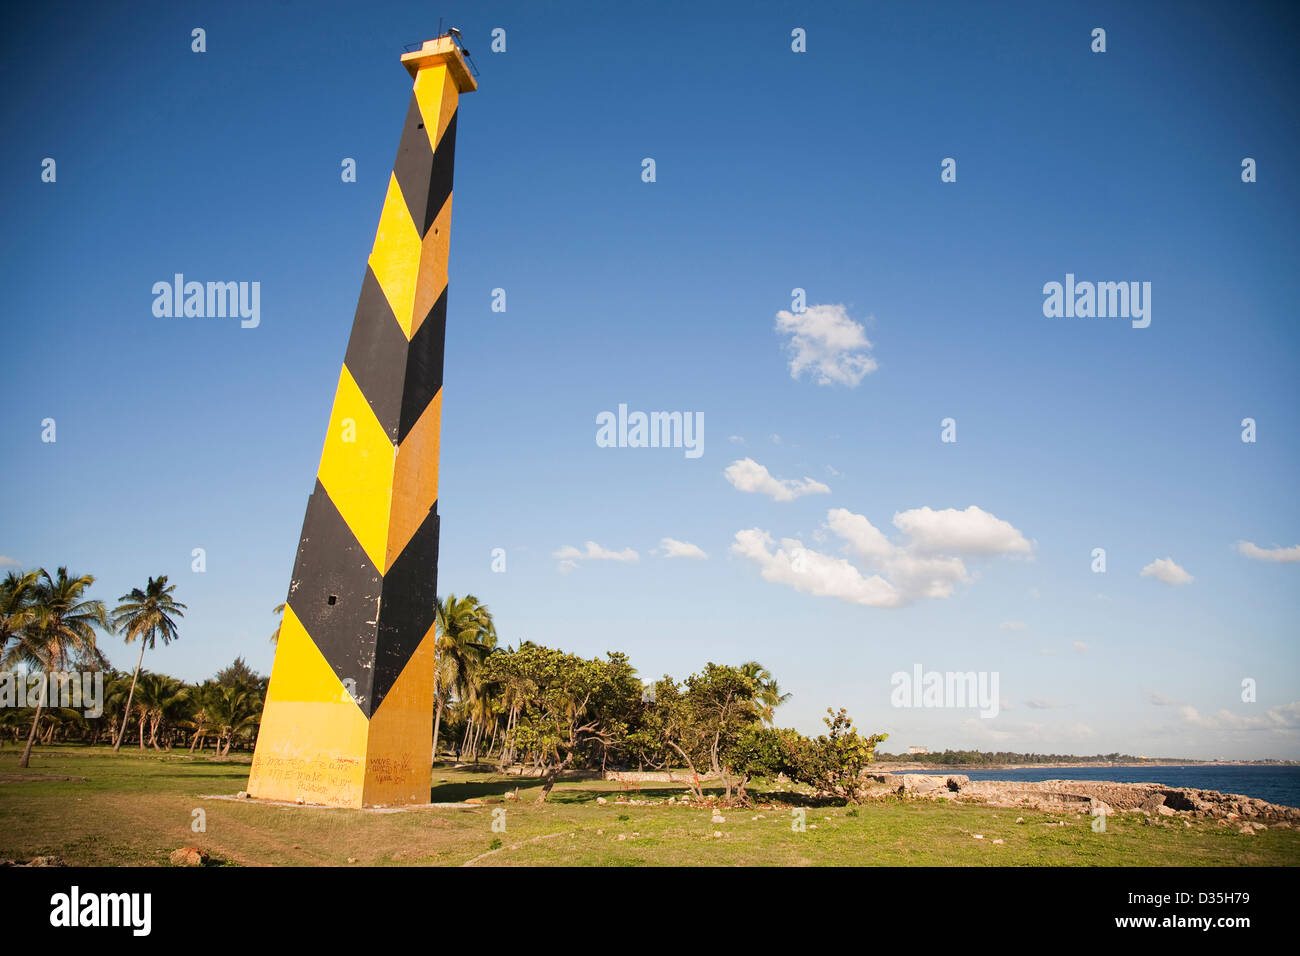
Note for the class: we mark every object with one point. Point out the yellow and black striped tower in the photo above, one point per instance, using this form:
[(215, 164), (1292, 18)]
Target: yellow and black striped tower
[(348, 719)]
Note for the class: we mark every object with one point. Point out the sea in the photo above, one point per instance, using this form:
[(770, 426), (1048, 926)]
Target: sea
[(1272, 783)]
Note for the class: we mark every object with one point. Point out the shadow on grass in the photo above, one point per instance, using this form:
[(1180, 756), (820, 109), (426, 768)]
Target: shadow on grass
[(477, 789), (241, 775), (574, 794), (167, 773), (565, 791), (494, 786)]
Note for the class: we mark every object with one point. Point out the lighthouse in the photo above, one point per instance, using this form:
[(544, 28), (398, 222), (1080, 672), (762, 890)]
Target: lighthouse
[(348, 719)]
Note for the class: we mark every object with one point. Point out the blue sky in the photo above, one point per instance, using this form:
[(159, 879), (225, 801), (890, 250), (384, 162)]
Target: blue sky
[(775, 170)]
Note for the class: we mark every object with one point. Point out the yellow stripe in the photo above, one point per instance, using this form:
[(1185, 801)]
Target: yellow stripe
[(415, 478), (312, 740), (434, 252), (435, 92), (395, 257), (356, 468), (401, 734)]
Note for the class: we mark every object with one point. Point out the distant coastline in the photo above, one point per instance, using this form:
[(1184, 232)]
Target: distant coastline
[(905, 765)]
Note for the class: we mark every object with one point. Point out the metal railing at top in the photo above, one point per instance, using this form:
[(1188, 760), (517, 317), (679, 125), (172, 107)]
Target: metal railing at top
[(455, 38)]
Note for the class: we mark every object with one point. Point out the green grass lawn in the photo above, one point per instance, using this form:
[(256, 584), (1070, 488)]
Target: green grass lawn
[(135, 808)]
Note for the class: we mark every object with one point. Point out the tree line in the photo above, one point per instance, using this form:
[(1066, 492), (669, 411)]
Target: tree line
[(977, 758), (527, 707), (53, 623), (550, 711), (221, 713)]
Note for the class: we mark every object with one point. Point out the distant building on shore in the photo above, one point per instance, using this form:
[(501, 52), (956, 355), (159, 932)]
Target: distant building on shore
[(917, 750)]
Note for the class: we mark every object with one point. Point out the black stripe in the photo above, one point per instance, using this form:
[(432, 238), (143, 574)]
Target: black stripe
[(424, 175), (423, 366), (409, 605), (414, 165), (377, 356), (331, 562), (444, 160)]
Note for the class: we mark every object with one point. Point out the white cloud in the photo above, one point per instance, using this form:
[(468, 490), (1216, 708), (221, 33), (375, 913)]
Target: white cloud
[(863, 538), (1027, 734), (1080, 646), (748, 475), (1280, 555), (570, 556), (973, 531), (813, 572), (8, 562), (1041, 703), (887, 574), (1011, 626), (926, 577), (984, 730), (1284, 718), (830, 469), (1164, 569), (826, 343), (736, 439), (672, 548)]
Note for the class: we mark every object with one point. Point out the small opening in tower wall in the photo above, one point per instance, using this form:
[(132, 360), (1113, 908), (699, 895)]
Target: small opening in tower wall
[(332, 599)]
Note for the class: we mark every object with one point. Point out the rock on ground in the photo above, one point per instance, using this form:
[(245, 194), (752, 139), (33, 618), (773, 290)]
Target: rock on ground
[(189, 856)]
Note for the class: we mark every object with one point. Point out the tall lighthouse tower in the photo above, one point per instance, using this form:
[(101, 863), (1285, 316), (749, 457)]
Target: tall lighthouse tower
[(348, 719)]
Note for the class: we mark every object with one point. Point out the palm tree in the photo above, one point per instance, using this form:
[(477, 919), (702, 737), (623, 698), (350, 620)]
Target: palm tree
[(198, 721), (466, 635), (769, 696), (62, 722), (446, 675), (232, 711), (486, 711), (16, 609), (278, 611), (514, 691), (147, 615), (116, 684), (159, 701), (62, 625)]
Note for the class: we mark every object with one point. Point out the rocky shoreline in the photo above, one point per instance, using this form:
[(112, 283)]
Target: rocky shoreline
[(1079, 796), (1096, 797)]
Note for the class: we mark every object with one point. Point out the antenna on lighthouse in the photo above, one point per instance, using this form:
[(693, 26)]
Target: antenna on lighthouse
[(459, 40)]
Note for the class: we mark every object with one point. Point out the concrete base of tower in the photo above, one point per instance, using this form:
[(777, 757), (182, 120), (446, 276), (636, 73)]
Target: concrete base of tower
[(317, 747)]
